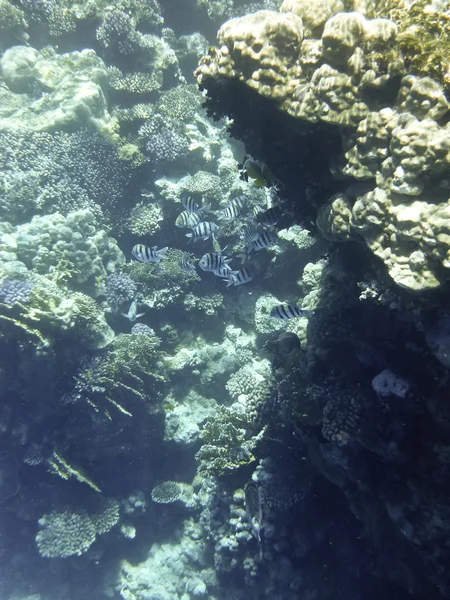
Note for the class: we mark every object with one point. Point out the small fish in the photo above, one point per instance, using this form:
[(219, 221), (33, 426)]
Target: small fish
[(257, 210), (216, 245), (283, 312), (189, 202), (132, 313), (270, 217), (254, 510), (234, 208), (212, 262), (240, 277), (146, 254), (186, 263), (203, 231), (257, 171), (264, 240), (249, 234), (187, 219), (225, 272)]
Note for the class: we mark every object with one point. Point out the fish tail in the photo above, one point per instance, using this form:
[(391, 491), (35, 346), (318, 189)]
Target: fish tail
[(162, 251)]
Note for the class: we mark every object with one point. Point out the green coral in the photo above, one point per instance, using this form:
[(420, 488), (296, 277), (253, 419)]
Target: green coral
[(423, 37)]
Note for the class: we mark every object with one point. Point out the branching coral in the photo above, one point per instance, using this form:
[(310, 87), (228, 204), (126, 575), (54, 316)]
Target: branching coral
[(128, 372)]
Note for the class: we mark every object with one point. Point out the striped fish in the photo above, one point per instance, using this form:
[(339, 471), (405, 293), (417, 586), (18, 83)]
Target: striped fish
[(264, 240), (283, 312), (225, 272), (203, 231), (234, 208), (146, 254), (212, 262), (256, 210), (188, 219), (189, 202), (249, 234), (271, 216), (239, 277)]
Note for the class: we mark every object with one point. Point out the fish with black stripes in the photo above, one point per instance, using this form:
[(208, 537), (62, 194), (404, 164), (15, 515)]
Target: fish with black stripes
[(132, 313), (249, 233), (284, 312), (270, 217), (212, 261), (234, 208), (239, 277), (144, 253), (264, 240), (203, 231), (188, 219)]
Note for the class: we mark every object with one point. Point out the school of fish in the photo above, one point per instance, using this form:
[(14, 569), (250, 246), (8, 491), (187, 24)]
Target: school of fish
[(257, 232)]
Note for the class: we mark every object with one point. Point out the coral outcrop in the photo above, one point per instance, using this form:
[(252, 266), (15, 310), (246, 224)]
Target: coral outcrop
[(348, 72)]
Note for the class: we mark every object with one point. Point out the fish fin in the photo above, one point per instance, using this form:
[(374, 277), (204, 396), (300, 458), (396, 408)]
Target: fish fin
[(162, 252), (139, 315), (125, 315), (230, 282), (189, 235)]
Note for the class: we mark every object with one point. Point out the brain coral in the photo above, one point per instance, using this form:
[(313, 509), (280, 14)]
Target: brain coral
[(346, 71)]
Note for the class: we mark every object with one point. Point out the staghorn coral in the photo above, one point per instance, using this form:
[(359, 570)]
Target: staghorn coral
[(128, 372)]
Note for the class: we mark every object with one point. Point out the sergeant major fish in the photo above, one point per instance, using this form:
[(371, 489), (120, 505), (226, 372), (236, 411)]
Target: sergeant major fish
[(132, 313), (187, 219), (203, 231), (270, 217), (212, 262), (145, 254), (264, 240), (239, 277), (283, 312), (234, 208), (189, 202)]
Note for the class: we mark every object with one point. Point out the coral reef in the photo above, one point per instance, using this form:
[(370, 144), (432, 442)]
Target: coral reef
[(340, 69)]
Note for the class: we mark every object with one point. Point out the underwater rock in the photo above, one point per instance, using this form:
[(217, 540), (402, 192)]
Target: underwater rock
[(44, 90)]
